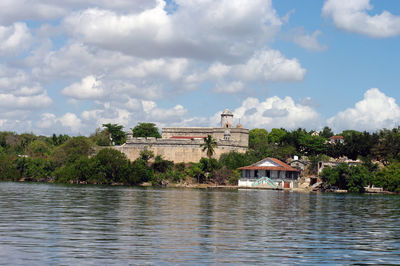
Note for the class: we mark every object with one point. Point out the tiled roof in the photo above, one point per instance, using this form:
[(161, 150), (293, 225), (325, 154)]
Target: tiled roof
[(336, 137), (282, 166)]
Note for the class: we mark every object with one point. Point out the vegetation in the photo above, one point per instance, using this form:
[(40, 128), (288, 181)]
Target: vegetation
[(209, 145), (146, 130), (64, 159)]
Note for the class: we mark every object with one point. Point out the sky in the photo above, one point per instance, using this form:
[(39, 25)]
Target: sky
[(67, 67)]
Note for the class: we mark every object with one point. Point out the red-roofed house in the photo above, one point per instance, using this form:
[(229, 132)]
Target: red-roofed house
[(336, 139), (269, 172)]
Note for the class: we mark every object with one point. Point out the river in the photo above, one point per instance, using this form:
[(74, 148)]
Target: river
[(104, 225)]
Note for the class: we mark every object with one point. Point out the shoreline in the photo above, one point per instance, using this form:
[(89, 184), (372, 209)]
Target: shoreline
[(210, 186)]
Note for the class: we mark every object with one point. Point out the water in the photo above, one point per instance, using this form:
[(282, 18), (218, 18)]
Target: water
[(99, 225)]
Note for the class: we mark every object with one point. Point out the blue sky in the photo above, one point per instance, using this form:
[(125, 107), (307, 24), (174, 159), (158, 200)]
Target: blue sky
[(69, 67)]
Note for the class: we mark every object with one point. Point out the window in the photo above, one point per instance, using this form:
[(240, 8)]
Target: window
[(255, 173), (246, 173)]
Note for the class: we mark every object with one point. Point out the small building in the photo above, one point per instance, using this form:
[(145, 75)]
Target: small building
[(336, 139), (300, 165), (334, 163), (269, 173)]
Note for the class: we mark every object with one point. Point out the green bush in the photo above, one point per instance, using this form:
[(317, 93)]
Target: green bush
[(389, 177)]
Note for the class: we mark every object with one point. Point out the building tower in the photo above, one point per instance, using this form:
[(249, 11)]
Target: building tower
[(226, 119)]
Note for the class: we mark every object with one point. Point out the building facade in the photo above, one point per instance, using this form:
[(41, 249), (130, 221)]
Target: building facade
[(269, 173), (183, 144)]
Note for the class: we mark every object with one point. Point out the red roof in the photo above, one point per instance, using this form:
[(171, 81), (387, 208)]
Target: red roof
[(336, 137), (282, 166), (188, 137)]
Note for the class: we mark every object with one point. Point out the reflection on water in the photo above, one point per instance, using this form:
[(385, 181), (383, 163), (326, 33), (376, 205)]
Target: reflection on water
[(55, 224)]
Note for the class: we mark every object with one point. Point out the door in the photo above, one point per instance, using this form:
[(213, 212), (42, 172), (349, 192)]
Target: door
[(286, 184)]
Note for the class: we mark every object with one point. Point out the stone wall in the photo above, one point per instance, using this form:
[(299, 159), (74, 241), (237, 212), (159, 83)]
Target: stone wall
[(187, 149), (240, 135), (177, 150)]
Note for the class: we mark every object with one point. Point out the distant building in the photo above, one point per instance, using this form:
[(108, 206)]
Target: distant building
[(315, 133), (322, 165), (336, 139), (183, 144), (270, 173), (300, 165)]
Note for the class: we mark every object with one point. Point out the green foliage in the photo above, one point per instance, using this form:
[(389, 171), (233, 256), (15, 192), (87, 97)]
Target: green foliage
[(146, 155), (160, 165), (234, 160), (101, 137), (140, 172), (276, 135), (113, 164), (209, 164), (38, 148), (389, 177), (7, 170), (352, 178), (37, 169), (326, 132), (258, 137), (58, 140), (146, 130), (195, 171), (209, 145), (117, 134), (71, 150)]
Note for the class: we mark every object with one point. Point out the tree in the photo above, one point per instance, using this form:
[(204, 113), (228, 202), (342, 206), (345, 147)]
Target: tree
[(276, 135), (71, 150), (117, 134), (326, 132), (389, 177), (146, 130), (209, 145), (258, 137), (146, 155)]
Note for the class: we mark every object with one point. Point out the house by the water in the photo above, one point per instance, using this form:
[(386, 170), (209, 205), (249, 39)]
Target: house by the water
[(269, 173)]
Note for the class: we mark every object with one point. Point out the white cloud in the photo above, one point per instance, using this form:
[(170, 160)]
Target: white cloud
[(307, 41), (270, 65), (42, 10), (233, 87), (374, 111), (88, 88), (275, 112), (11, 101), (66, 124), (352, 16), (14, 38), (227, 30)]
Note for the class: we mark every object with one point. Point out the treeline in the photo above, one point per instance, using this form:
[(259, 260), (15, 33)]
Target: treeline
[(85, 160), (65, 159)]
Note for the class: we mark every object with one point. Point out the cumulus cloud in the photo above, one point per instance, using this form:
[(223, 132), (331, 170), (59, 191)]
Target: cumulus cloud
[(43, 10), (309, 41), (265, 65), (223, 29), (374, 111), (67, 123), (14, 38), (88, 88), (353, 16), (270, 65), (24, 102), (275, 112)]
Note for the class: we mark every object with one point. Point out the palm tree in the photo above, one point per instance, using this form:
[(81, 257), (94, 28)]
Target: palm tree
[(209, 145)]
